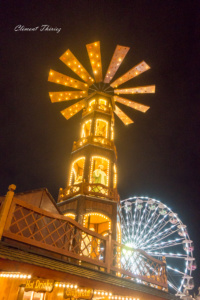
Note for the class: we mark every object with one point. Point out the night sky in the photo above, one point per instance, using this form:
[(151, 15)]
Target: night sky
[(158, 155)]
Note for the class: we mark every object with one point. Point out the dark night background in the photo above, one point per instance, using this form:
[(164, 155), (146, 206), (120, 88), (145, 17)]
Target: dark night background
[(158, 156)]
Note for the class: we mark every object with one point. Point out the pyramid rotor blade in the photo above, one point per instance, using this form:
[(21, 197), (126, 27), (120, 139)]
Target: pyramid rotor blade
[(94, 54), (117, 59), (132, 104), (60, 78), (136, 90), (65, 96), (123, 117), (72, 62), (135, 71), (73, 109)]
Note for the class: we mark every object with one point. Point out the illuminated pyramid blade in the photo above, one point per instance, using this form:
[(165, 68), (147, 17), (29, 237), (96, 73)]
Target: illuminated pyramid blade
[(72, 62), (135, 71), (64, 96), (73, 109), (132, 104), (85, 88), (94, 54), (60, 78), (136, 90), (123, 117), (117, 59)]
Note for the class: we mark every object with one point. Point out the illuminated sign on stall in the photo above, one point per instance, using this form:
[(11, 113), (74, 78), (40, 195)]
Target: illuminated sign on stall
[(71, 293), (39, 285)]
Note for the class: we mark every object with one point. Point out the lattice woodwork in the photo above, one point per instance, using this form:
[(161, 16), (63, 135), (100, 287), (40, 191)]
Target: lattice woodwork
[(34, 226), (58, 234), (136, 263)]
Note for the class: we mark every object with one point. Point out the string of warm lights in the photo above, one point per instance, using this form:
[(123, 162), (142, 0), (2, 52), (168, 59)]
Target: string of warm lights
[(92, 165), (70, 215), (132, 104), (73, 109), (16, 275), (67, 285), (94, 54), (72, 62), (136, 90), (64, 96), (103, 102), (62, 79), (71, 173), (98, 123), (84, 128), (115, 176), (111, 296), (96, 293), (112, 132)]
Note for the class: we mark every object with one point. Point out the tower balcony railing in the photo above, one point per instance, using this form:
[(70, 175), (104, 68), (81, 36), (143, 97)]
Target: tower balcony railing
[(94, 140), (89, 189), (58, 236), (97, 107)]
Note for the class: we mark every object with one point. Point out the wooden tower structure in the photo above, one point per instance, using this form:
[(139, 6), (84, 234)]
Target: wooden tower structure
[(91, 196)]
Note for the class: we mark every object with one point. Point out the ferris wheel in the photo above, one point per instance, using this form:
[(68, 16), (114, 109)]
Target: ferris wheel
[(150, 225)]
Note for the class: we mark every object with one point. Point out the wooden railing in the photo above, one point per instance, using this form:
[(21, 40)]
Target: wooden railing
[(90, 189), (29, 225), (94, 140), (136, 263), (34, 226)]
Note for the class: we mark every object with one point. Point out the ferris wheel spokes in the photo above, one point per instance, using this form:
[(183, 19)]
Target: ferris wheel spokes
[(149, 225)]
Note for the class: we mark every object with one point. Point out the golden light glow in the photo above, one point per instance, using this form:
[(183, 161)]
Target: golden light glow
[(101, 128), (65, 96), (117, 59), (94, 54), (70, 215), (86, 129), (73, 109), (81, 164), (92, 102), (100, 160), (97, 218), (15, 275), (115, 177), (132, 104), (123, 117), (137, 90), (72, 62), (60, 78), (67, 285), (112, 132), (118, 248), (118, 232), (102, 102), (135, 71)]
